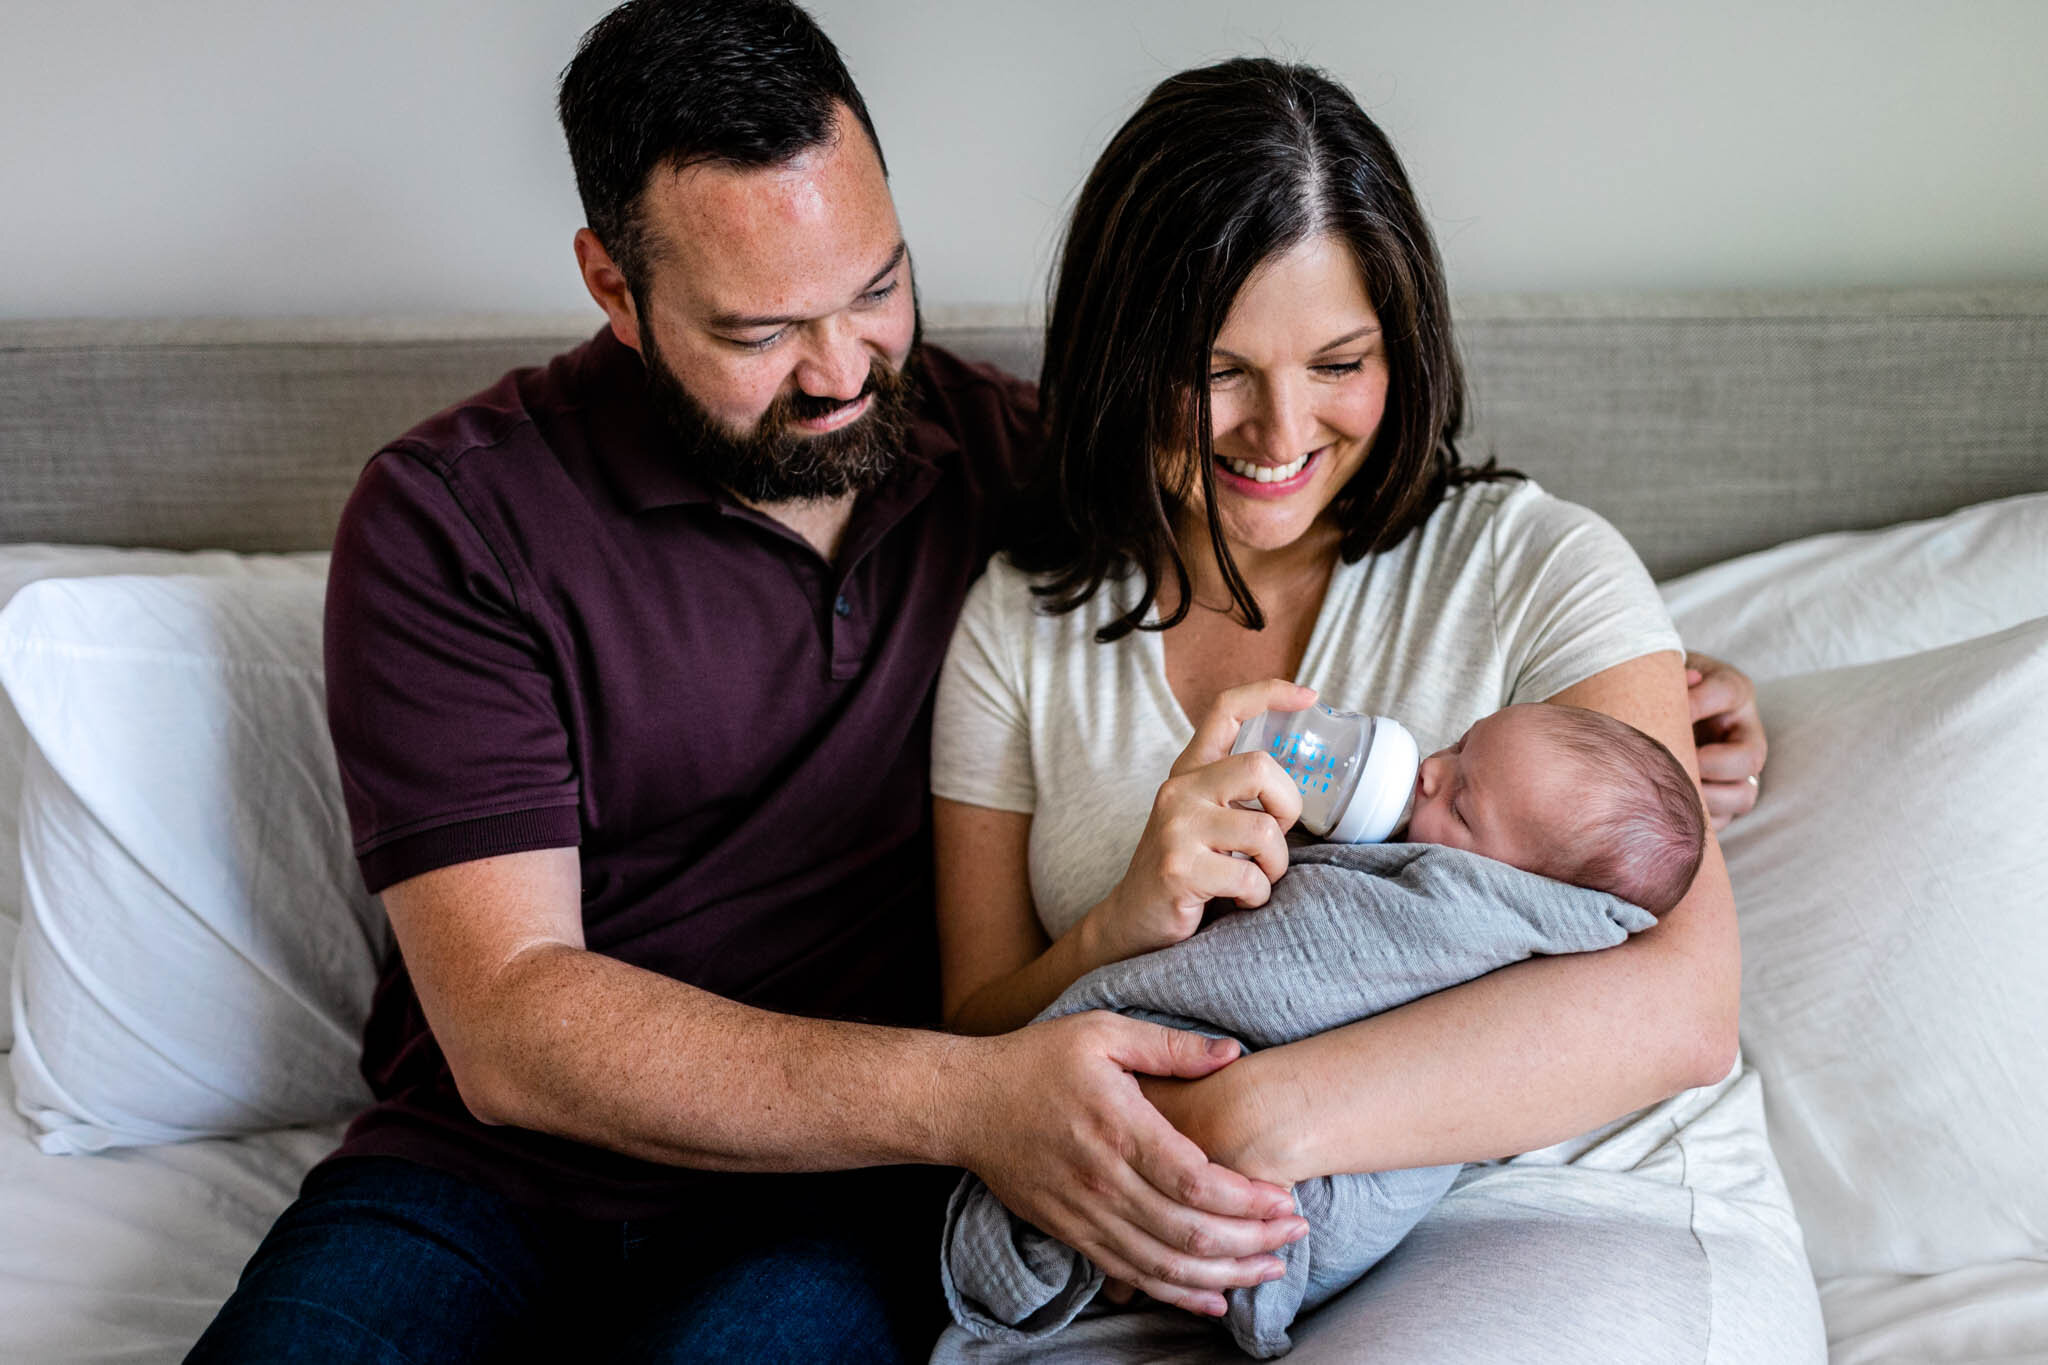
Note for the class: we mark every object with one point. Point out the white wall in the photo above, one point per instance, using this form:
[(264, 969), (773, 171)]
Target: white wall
[(400, 156)]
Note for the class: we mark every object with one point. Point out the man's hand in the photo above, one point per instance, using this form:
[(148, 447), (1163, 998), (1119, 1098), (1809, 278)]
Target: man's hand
[(1729, 735), (1214, 1114), (1057, 1127)]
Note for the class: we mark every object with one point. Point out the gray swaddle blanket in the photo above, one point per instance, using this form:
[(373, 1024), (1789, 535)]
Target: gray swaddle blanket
[(1351, 930)]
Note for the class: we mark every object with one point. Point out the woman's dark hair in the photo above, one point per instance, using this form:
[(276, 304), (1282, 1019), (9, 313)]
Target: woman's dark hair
[(665, 84), (1220, 170)]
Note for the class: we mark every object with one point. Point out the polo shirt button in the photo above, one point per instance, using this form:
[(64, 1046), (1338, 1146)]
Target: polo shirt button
[(842, 608)]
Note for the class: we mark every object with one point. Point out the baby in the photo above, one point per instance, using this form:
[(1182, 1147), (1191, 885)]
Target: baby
[(1556, 830), (1566, 793)]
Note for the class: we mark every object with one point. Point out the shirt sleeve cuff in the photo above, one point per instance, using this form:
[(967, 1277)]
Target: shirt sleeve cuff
[(465, 841)]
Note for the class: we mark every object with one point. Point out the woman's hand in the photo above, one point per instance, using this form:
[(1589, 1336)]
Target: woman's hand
[(1201, 816), (1729, 734)]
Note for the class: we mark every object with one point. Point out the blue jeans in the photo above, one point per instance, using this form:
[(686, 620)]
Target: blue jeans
[(383, 1262)]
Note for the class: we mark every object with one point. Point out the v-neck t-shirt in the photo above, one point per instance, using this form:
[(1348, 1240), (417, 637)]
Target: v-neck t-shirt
[(1504, 594)]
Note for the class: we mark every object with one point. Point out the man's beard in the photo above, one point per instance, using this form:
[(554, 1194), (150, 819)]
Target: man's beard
[(778, 462)]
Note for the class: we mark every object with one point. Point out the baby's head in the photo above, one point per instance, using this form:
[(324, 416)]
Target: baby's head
[(1567, 793)]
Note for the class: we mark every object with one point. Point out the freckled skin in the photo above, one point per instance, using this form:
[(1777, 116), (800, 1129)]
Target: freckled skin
[(803, 240)]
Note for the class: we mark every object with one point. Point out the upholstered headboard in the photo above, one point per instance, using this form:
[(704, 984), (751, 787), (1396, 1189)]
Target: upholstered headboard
[(1702, 425)]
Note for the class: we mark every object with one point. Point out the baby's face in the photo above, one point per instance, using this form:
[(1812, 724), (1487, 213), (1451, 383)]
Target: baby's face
[(1500, 791)]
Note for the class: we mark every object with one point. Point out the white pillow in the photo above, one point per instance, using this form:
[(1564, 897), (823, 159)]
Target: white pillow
[(1893, 888), (197, 954), (24, 564), (1857, 597)]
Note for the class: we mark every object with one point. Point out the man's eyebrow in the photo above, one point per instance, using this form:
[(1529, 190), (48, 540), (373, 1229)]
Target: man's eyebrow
[(895, 259), (737, 322), (1370, 329)]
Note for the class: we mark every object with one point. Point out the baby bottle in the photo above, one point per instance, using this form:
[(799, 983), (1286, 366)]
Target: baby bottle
[(1356, 773)]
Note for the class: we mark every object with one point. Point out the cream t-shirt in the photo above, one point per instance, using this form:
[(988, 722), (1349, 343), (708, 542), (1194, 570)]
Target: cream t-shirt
[(1505, 594)]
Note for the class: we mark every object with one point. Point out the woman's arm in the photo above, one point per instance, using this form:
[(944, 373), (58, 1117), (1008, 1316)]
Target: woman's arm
[(1515, 1060), (998, 969)]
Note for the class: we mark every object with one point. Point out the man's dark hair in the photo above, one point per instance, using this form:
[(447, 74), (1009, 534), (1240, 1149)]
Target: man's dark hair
[(666, 84), (1220, 170)]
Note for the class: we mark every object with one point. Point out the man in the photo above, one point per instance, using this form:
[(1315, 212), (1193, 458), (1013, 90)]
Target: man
[(630, 661)]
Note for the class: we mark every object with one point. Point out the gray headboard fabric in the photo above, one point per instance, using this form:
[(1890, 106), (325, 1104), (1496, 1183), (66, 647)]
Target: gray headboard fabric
[(1702, 425)]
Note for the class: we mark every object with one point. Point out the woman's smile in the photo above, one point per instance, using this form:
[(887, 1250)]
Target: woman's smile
[(1250, 479)]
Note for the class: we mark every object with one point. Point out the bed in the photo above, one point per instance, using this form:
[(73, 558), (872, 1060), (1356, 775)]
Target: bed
[(1846, 492)]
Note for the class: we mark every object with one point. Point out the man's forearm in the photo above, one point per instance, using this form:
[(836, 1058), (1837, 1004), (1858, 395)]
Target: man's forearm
[(542, 1034), (589, 1048)]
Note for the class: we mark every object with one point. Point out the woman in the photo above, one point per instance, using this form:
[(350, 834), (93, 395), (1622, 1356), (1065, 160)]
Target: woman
[(1252, 401)]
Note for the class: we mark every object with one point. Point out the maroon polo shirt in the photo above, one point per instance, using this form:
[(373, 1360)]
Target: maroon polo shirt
[(542, 632)]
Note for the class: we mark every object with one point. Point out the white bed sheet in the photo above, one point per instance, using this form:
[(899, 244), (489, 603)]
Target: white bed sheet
[(126, 1256), (1982, 1313)]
